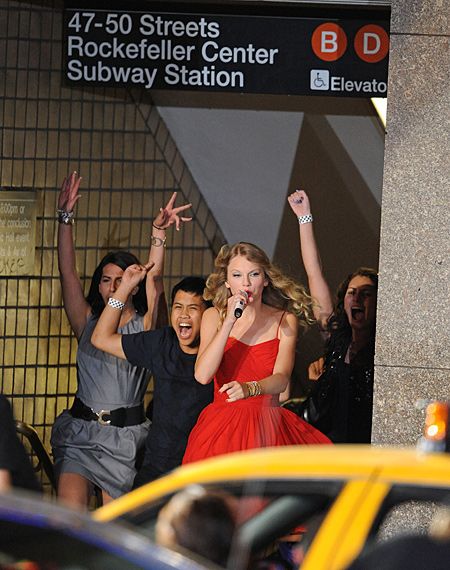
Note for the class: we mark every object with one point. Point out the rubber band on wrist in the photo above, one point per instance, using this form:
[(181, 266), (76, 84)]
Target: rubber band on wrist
[(115, 303), (306, 219)]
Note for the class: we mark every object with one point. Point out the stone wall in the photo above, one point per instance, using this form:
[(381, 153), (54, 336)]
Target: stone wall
[(413, 323)]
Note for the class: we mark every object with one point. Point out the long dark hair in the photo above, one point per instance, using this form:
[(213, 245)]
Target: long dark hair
[(338, 325), (122, 259)]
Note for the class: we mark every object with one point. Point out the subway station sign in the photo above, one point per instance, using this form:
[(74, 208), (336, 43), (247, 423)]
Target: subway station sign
[(237, 53)]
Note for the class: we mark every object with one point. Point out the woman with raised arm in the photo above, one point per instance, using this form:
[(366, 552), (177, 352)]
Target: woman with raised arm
[(247, 346), (96, 441), (341, 402)]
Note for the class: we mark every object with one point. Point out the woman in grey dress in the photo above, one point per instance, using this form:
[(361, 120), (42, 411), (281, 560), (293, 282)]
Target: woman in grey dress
[(95, 442)]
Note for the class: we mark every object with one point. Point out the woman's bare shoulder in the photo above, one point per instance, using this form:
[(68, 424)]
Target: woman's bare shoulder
[(288, 322), (211, 316), (211, 312), (278, 315)]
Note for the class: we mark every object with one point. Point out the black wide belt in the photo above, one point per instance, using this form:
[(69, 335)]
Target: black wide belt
[(120, 417)]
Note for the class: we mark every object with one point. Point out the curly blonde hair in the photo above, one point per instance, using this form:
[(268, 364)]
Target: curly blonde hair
[(282, 292)]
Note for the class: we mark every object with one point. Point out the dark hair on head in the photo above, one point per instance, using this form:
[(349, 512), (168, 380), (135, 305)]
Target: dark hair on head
[(122, 259), (338, 325), (204, 523), (194, 285)]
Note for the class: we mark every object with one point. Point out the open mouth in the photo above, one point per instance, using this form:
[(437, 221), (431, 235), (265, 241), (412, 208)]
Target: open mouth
[(185, 330), (357, 313)]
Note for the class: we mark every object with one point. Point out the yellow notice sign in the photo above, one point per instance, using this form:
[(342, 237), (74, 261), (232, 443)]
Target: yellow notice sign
[(17, 233)]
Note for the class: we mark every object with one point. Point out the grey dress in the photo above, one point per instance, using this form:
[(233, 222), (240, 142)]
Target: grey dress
[(104, 454)]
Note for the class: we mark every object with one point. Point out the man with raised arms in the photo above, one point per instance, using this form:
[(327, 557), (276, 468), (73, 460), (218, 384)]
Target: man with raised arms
[(170, 354)]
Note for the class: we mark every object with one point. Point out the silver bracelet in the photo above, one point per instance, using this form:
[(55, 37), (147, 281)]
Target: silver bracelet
[(306, 219), (65, 217), (115, 303), (157, 241)]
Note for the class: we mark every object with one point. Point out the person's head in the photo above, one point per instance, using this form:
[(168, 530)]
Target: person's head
[(245, 266), (200, 521), (107, 278), (440, 524), (356, 301), (188, 306)]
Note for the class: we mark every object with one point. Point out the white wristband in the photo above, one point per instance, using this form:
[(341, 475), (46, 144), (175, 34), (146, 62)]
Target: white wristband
[(115, 303), (307, 219)]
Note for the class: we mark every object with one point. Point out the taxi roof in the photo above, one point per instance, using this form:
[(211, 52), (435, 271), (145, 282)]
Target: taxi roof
[(348, 462)]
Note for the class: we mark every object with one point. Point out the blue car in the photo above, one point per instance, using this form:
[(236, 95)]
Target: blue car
[(36, 534)]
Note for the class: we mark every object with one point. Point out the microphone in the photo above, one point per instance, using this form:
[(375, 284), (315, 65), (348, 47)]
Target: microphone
[(240, 306)]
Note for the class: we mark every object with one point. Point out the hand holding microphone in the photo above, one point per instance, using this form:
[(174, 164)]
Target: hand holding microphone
[(240, 305)]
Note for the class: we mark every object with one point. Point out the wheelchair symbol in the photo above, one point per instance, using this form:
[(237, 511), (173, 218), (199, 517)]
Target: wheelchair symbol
[(319, 82), (320, 79)]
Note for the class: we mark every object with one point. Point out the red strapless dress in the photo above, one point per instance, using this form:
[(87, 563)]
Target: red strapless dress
[(224, 427)]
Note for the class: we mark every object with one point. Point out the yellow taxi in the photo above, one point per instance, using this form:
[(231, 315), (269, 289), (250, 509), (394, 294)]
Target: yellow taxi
[(330, 502)]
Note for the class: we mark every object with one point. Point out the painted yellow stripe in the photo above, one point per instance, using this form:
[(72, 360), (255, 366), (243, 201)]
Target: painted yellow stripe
[(344, 530)]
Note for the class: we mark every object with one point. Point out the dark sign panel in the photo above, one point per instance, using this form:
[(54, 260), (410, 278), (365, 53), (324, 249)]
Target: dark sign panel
[(200, 51)]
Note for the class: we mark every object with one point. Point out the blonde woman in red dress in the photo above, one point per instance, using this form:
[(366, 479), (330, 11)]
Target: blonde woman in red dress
[(249, 357)]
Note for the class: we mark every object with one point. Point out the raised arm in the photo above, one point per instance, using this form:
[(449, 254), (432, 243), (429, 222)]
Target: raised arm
[(76, 307), (277, 382), (157, 307), (105, 336), (318, 287)]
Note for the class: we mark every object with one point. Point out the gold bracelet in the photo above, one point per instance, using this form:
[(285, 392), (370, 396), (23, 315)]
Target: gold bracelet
[(254, 388), (157, 241)]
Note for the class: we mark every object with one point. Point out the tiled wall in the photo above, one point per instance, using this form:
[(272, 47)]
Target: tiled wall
[(130, 166)]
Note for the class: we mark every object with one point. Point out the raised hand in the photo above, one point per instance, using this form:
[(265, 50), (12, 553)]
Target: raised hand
[(134, 274), (315, 369), (68, 195), (299, 202), (170, 215), (231, 304)]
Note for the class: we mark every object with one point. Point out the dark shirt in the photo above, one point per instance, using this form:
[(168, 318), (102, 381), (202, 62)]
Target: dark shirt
[(343, 395), (13, 456), (178, 398)]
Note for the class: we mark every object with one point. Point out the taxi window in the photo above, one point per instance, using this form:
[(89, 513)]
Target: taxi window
[(407, 509), (276, 519), (279, 535)]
